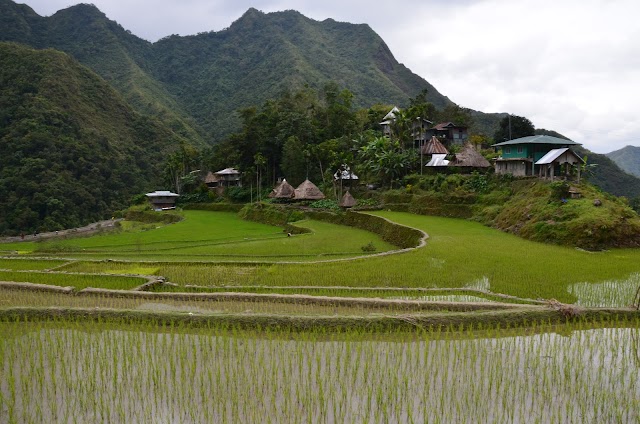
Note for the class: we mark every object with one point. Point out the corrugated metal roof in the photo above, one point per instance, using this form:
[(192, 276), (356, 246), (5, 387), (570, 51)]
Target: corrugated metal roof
[(554, 154), (551, 156), (538, 139), (438, 160), (434, 146), (162, 193), (228, 171), (392, 114)]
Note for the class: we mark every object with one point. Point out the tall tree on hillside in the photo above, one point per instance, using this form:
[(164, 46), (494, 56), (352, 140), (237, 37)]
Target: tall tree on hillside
[(512, 127)]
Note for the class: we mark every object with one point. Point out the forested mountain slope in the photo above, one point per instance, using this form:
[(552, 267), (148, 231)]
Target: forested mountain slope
[(197, 83), (71, 149)]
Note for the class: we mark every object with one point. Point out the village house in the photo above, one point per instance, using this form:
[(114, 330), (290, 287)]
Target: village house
[(218, 181), (536, 155), (162, 200), (449, 132), (422, 130)]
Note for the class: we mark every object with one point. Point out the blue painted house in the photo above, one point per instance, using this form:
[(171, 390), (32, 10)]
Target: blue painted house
[(521, 157)]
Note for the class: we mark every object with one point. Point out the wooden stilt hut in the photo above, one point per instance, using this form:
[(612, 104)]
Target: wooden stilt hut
[(308, 191), (348, 201), (283, 190)]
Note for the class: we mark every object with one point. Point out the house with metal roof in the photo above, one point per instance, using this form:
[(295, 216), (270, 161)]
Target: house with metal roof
[(557, 162), (520, 157), (228, 177), (162, 199)]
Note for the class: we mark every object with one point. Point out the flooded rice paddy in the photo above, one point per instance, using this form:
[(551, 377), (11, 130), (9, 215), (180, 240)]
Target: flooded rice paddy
[(70, 371)]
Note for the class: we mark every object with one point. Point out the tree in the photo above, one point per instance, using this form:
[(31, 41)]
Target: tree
[(294, 162), (512, 127), (385, 159)]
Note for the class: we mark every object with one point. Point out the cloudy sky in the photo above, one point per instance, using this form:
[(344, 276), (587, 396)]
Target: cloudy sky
[(568, 65)]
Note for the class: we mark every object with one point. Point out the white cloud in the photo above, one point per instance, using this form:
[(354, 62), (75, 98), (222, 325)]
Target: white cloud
[(570, 65)]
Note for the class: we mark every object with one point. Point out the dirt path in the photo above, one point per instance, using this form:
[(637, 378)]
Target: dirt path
[(86, 230)]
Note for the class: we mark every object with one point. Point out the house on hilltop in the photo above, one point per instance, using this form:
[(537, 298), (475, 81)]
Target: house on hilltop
[(527, 156), (558, 161), (422, 130)]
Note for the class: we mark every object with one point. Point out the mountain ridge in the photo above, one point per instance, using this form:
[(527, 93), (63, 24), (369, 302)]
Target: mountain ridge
[(627, 158), (237, 67)]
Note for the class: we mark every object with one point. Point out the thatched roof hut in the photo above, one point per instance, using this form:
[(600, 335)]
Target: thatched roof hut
[(434, 146), (211, 180), (308, 191), (283, 190), (470, 158), (348, 201)]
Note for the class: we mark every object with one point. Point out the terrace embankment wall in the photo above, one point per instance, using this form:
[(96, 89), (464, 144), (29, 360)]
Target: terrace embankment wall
[(396, 234), (450, 321)]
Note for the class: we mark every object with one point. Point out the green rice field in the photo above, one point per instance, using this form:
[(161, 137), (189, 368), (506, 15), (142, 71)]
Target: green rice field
[(458, 254), (253, 326), (213, 236)]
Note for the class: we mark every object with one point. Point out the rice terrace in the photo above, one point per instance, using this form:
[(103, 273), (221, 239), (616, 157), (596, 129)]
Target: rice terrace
[(214, 318)]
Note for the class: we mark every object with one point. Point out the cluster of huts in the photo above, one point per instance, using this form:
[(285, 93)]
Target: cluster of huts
[(306, 191)]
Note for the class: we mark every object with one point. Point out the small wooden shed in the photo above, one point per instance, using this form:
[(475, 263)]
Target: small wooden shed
[(162, 200)]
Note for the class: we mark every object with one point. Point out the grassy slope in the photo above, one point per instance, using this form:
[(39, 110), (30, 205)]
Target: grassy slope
[(535, 210)]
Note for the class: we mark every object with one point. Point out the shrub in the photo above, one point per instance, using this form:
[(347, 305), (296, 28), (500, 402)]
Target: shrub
[(369, 247), (325, 204)]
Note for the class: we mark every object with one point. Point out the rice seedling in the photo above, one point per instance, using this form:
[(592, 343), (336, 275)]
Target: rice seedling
[(20, 264), (613, 293), (78, 281), (123, 372)]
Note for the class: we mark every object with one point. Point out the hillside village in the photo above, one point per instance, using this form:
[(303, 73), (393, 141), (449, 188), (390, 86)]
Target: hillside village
[(442, 147)]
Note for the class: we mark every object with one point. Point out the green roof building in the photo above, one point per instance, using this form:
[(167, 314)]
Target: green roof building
[(519, 156)]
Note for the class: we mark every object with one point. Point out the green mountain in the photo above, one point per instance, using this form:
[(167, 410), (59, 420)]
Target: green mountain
[(119, 57), (197, 83), (72, 150), (627, 158)]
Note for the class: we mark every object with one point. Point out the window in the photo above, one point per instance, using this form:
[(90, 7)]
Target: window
[(520, 149), (507, 150)]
